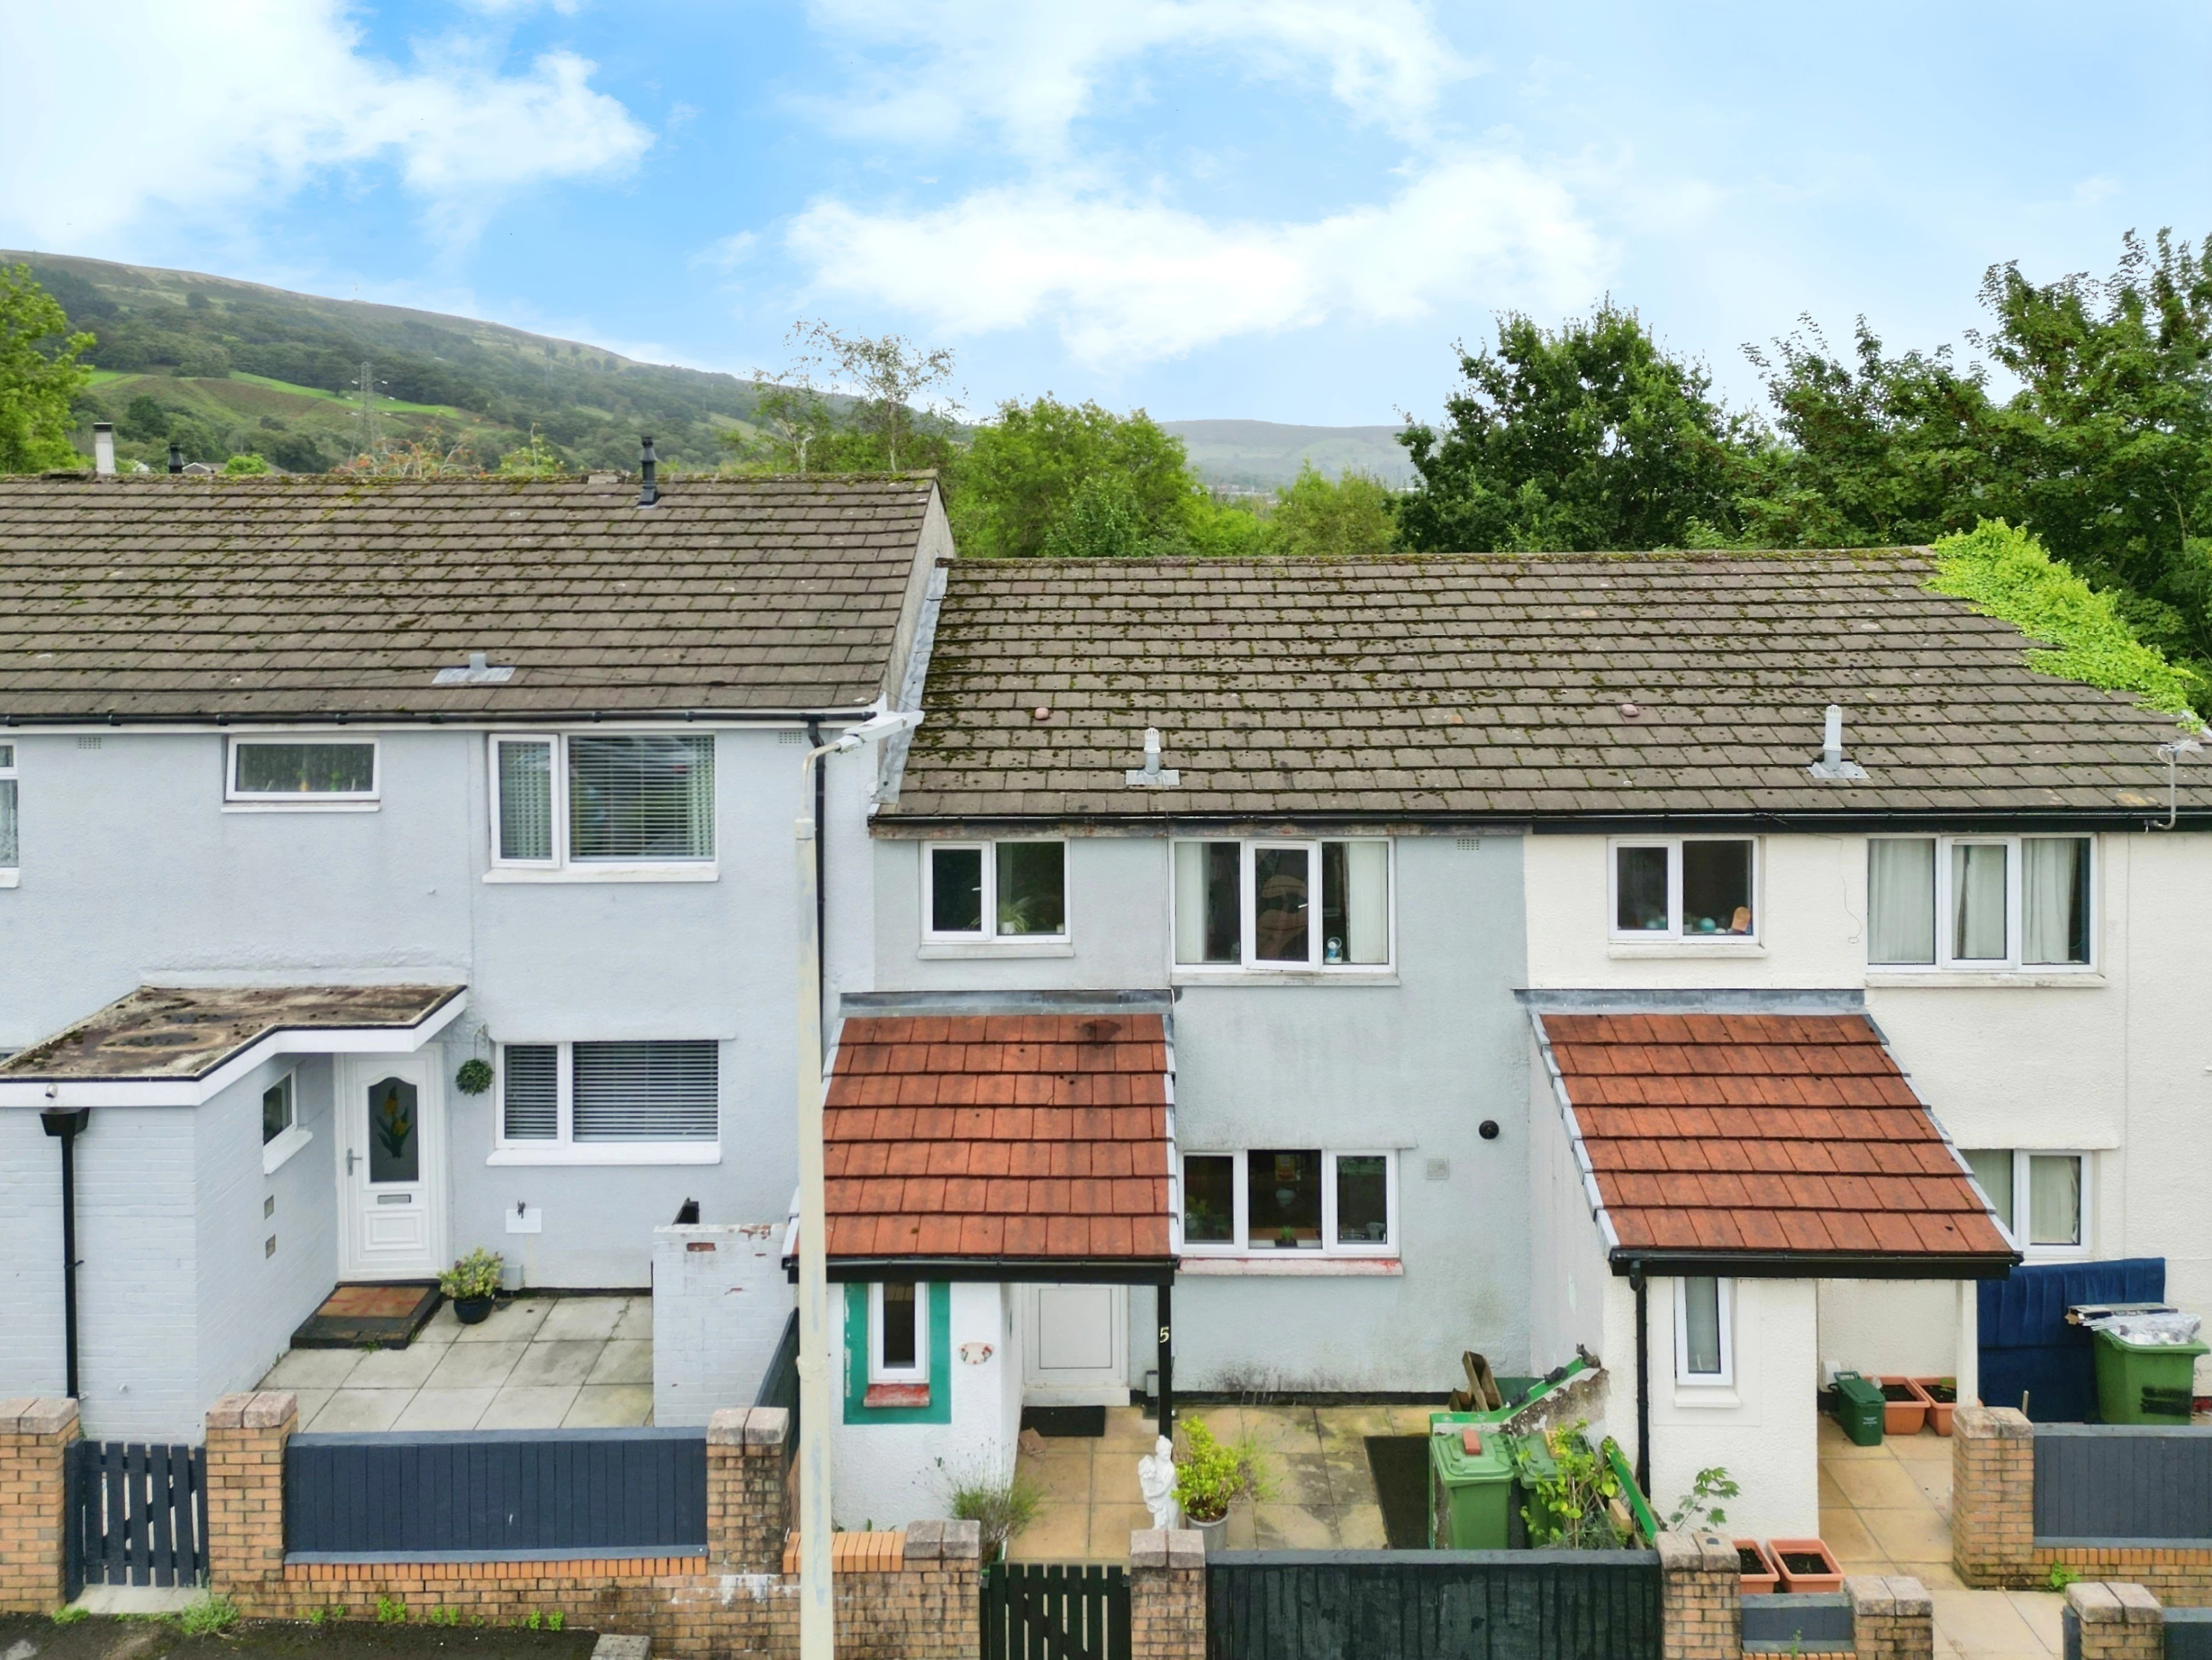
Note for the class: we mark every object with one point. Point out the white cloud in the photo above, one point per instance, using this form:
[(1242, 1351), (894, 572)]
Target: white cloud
[(1031, 69), (204, 108), (1126, 278)]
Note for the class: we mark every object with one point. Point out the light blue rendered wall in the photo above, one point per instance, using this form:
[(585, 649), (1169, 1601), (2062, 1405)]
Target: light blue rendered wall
[(1417, 1066), (133, 873)]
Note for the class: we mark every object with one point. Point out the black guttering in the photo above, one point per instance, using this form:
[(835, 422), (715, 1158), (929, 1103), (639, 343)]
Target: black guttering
[(1812, 1264)]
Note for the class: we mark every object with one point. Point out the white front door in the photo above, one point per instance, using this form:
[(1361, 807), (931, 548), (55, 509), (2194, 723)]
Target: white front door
[(1076, 1346), (391, 1160)]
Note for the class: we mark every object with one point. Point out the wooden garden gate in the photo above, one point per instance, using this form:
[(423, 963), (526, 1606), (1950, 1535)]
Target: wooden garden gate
[(136, 1515), (1055, 1611)]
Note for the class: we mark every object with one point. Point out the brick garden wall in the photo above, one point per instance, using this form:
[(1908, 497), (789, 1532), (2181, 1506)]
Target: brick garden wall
[(1993, 1541), (34, 1440)]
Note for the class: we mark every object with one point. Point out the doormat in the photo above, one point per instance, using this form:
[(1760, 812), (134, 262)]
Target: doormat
[(360, 1316), (1401, 1468), (1064, 1421)]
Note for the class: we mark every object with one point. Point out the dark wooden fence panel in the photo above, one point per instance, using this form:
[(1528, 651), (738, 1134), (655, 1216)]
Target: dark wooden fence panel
[(2122, 1481), (1055, 1611), (137, 1514), (1432, 1605), (495, 1491), (779, 1385), (2189, 1634)]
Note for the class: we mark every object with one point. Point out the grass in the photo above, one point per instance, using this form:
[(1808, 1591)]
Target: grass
[(211, 1616)]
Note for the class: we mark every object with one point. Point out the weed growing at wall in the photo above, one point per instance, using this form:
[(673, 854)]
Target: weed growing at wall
[(211, 1616), (2004, 572), (389, 1611)]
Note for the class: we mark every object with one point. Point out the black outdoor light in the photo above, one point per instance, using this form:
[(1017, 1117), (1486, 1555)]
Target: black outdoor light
[(67, 1123)]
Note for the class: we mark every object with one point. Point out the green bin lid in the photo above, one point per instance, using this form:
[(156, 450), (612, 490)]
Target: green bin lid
[(1455, 1463), (2191, 1350), (1852, 1387)]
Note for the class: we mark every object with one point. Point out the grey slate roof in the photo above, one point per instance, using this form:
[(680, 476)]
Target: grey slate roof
[(274, 597), (1492, 686)]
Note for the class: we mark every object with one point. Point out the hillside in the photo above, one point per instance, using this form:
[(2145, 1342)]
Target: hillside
[(228, 366), (1261, 454)]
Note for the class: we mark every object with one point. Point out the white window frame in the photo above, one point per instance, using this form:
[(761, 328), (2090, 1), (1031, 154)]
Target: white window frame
[(561, 867), (879, 1371), (11, 771), (235, 799), (2015, 875), (1674, 934), (2023, 1219), (278, 1149), (1247, 898), (988, 934), (1725, 1297), (1240, 1245), (563, 1148)]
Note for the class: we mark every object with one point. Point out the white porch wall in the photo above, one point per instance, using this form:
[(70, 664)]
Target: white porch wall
[(887, 1475)]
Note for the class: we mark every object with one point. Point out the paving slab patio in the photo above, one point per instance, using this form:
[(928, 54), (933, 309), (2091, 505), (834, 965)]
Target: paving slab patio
[(1322, 1498), (1888, 1509), (538, 1362)]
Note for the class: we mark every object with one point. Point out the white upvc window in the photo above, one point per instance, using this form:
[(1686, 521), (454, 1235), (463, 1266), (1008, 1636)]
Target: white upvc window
[(1278, 905), (981, 890), (281, 1133), (1684, 887), (1981, 902), (296, 770), (602, 800), (898, 1333), (1705, 1332), (10, 857), (2042, 1197), (626, 1102), (1266, 1200)]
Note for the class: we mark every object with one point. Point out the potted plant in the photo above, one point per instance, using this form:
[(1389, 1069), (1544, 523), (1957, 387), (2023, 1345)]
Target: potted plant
[(1903, 1407), (1942, 1394), (1758, 1574), (473, 1283), (1210, 1476), (1805, 1565)]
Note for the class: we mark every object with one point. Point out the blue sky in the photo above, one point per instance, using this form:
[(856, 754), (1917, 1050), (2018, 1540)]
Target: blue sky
[(1285, 210)]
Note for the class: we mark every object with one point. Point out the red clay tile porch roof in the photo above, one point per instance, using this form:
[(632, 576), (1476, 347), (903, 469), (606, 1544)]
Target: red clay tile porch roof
[(1012, 1137), (1748, 1136)]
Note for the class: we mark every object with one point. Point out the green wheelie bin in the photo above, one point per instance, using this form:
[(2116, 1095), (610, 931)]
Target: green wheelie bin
[(1859, 1408), (1470, 1488), (2141, 1382)]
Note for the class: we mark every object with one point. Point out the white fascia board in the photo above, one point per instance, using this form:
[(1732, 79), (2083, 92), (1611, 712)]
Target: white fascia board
[(194, 1092), (1574, 1129)]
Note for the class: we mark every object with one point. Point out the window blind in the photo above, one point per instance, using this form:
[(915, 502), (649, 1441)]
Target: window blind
[(525, 799), (641, 796), (8, 855), (645, 1091), (530, 1099)]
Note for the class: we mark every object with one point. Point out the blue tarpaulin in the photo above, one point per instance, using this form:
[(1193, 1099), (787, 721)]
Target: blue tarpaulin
[(2027, 1347)]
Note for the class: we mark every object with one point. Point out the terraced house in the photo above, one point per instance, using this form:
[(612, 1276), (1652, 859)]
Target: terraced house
[(1719, 962), (396, 868)]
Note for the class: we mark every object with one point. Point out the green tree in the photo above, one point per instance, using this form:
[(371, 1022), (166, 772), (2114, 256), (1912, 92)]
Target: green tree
[(1027, 468), (1100, 521), (38, 375), (884, 375), (1317, 517), (1588, 436), (535, 459), (247, 466)]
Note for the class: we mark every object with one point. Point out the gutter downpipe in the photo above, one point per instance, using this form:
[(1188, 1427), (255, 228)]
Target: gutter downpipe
[(66, 1124), (1637, 1283), (821, 875)]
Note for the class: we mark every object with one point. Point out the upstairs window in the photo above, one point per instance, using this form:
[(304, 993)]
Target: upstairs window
[(602, 799), (978, 890), (299, 772), (1282, 905), (1979, 901), (609, 1100), (1685, 888), (9, 857), (2040, 1198)]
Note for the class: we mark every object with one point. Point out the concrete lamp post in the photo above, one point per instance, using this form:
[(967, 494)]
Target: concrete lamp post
[(817, 1611)]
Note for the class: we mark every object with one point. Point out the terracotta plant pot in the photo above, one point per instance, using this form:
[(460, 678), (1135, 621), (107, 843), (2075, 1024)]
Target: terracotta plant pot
[(1759, 1575), (1905, 1405), (1805, 1565), (1942, 1394)]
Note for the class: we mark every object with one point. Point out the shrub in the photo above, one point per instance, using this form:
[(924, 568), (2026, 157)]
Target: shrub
[(245, 466), (1210, 1476), (1002, 1504), (480, 1274)]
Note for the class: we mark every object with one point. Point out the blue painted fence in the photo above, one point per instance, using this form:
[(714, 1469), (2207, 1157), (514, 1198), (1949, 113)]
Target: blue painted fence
[(2026, 1346)]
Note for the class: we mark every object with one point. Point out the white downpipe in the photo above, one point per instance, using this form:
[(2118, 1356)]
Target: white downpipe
[(816, 1612)]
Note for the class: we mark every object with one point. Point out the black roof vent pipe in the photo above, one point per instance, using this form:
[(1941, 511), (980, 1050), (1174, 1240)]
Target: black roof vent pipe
[(176, 456), (648, 492)]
